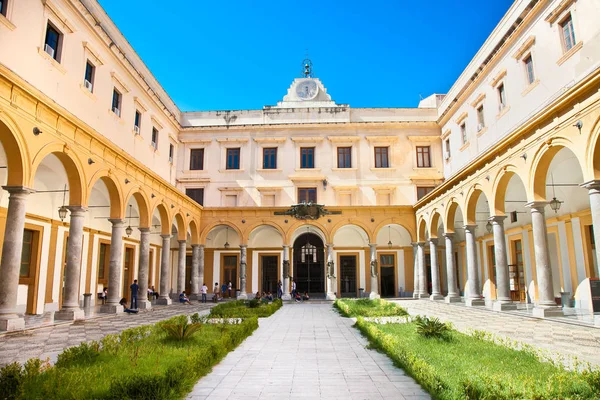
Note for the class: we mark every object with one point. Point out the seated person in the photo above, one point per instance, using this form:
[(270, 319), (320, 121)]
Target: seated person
[(269, 296), (123, 302), (257, 297), (297, 297), (183, 298), (305, 297)]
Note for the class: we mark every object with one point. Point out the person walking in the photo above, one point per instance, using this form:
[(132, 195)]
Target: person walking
[(204, 291), (293, 287), (229, 288), (216, 292), (279, 289), (223, 289), (135, 288)]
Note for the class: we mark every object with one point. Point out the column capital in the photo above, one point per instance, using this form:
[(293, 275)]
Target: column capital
[(201, 246), (18, 190), (181, 241), (498, 219), (373, 245), (538, 206), (286, 246), (470, 228), (243, 246), (195, 245), (329, 245), (144, 230), (117, 222), (448, 235), (165, 236), (77, 210), (420, 244), (591, 185), (433, 241)]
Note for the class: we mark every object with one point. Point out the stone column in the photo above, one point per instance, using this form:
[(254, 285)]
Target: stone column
[(143, 271), (201, 266), (435, 270), (195, 295), (422, 271), (374, 281), (593, 188), (10, 263), (474, 297), (503, 301), (115, 268), (181, 267), (70, 308), (165, 272), (331, 279), (546, 306), (286, 273), (453, 294), (415, 271), (243, 295)]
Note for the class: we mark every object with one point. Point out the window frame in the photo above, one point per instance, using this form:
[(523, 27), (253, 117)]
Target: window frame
[(171, 152), (188, 192), (344, 154), (194, 156), (312, 151), (269, 158), (119, 102), (308, 190), (4, 8), (419, 150), (379, 158), (137, 122), (448, 153), (232, 167), (480, 117), (92, 74), (427, 189), (567, 20), (154, 138), (501, 92), (57, 55), (529, 71)]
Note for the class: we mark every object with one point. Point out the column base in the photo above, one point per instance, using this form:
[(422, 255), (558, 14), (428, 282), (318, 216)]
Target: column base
[(499, 306), (286, 297), (242, 296), (374, 295), (545, 312), (434, 297), (144, 305), (452, 299), (330, 296), (195, 296), (475, 302), (423, 296), (11, 323), (164, 301), (415, 296), (111, 309), (69, 314)]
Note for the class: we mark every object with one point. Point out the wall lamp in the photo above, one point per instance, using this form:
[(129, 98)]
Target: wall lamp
[(90, 161), (325, 184), (36, 130), (579, 125)]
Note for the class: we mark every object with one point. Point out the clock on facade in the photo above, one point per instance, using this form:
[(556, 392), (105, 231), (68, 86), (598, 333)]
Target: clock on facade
[(307, 89)]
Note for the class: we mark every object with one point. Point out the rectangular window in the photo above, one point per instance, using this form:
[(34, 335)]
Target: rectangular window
[(137, 122), (90, 72), (270, 158), (344, 157), (116, 102), (568, 34), (501, 96), (463, 133), (233, 158), (307, 157), (171, 151), (197, 159), (26, 253), (528, 62), (381, 157), (423, 157), (422, 191), (154, 139), (102, 261), (231, 200), (53, 42), (196, 194), (3, 7), (307, 195), (480, 118), (448, 154)]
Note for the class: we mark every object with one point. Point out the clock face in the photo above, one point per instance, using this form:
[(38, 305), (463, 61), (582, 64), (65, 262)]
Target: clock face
[(307, 89)]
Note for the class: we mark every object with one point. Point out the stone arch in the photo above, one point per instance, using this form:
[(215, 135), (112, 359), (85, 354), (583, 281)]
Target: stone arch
[(257, 229), (72, 166), (206, 230), (359, 229), (541, 164), (343, 223), (593, 153), (17, 158), (394, 233), (325, 236), (253, 226), (501, 181), (195, 234), (433, 223), (143, 205), (450, 215), (165, 220), (473, 196), (394, 221), (179, 221), (114, 191), (422, 232)]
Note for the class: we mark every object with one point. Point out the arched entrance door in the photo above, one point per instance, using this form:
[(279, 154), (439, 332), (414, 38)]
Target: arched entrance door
[(309, 264)]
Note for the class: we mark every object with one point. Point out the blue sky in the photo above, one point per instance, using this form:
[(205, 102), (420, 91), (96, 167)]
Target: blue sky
[(231, 55)]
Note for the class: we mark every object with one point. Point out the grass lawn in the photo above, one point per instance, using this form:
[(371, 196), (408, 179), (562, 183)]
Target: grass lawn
[(140, 363), (245, 308), (369, 308), (467, 367)]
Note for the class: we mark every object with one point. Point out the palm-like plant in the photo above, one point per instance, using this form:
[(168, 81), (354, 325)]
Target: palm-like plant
[(181, 330), (432, 328)]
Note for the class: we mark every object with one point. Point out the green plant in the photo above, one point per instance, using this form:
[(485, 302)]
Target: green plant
[(432, 328), (85, 353), (181, 330), (254, 303), (196, 318), (11, 381), (369, 308)]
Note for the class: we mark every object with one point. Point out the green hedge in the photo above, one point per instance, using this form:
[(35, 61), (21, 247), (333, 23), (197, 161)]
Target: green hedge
[(140, 363), (466, 367), (240, 309), (369, 308)]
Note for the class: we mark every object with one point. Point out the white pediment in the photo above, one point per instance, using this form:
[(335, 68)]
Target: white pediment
[(307, 93)]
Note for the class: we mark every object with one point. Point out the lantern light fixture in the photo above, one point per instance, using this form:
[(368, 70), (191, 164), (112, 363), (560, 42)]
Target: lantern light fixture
[(62, 210), (129, 230), (226, 245)]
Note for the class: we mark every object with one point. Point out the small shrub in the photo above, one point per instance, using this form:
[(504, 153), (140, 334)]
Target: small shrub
[(11, 381), (181, 330), (196, 318), (254, 303), (85, 353), (432, 328), (110, 344)]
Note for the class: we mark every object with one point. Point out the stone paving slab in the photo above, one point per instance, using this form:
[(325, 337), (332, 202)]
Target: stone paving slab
[(306, 351), (48, 342), (556, 337)]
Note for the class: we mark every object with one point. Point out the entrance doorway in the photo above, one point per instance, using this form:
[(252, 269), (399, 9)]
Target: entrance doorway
[(348, 276), (127, 271), (387, 283), (309, 264), (28, 273), (516, 275), (268, 268), (230, 265)]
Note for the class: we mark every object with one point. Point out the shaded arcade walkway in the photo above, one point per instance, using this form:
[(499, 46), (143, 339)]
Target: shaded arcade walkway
[(306, 351)]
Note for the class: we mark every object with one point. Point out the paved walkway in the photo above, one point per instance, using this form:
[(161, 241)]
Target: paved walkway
[(48, 342), (557, 337), (306, 351)]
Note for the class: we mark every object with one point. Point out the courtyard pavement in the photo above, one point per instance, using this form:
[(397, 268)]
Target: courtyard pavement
[(563, 338), (49, 341), (306, 351)]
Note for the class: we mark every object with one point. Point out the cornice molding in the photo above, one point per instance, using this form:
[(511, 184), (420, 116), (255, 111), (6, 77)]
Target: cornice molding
[(558, 10), (530, 41)]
